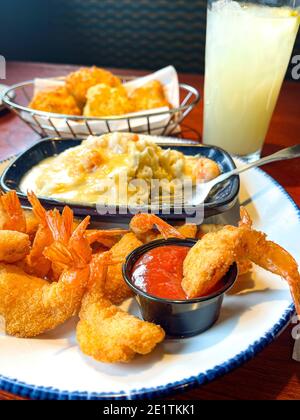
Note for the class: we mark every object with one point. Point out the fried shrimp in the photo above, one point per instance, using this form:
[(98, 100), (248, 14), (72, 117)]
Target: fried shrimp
[(142, 224), (15, 216), (209, 260), (106, 332), (115, 289), (14, 242), (206, 170), (36, 263), (108, 238), (271, 256), (14, 246), (188, 230), (30, 305)]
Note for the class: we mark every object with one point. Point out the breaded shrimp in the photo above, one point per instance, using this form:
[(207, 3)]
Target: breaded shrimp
[(36, 263), (205, 170), (270, 256), (108, 238), (244, 264), (32, 224), (188, 230), (14, 242), (30, 305), (209, 260), (107, 333), (142, 224), (14, 246), (115, 289), (15, 216)]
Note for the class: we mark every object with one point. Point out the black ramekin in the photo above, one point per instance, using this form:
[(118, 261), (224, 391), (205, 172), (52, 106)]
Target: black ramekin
[(179, 318)]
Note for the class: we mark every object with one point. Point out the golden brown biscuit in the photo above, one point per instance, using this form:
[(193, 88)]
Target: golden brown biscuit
[(106, 101), (57, 100), (79, 82), (149, 96)]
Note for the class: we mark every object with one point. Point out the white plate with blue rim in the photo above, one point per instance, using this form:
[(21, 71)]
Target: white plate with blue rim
[(253, 314)]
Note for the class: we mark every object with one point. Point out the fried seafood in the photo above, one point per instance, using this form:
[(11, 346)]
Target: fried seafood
[(115, 288), (14, 241), (209, 260), (114, 169), (14, 246), (142, 224), (79, 82), (106, 332), (13, 217), (57, 101), (244, 264), (188, 230), (32, 224), (149, 96), (36, 263), (107, 238), (31, 305), (205, 169), (105, 101)]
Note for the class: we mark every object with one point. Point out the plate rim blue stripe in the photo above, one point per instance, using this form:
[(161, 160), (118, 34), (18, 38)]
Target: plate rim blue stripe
[(42, 393)]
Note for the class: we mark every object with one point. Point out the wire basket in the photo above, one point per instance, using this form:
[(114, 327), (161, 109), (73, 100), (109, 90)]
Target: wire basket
[(45, 123)]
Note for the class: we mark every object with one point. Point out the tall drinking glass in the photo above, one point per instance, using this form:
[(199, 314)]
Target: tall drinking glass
[(248, 48)]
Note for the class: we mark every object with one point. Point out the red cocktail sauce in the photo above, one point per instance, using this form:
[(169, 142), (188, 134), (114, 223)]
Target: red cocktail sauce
[(159, 272)]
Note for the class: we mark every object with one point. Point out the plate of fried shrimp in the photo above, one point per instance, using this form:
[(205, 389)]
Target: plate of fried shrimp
[(70, 325)]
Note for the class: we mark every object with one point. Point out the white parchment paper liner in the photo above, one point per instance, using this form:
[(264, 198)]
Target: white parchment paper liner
[(167, 77)]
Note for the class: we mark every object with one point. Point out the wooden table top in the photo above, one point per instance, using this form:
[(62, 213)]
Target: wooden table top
[(272, 374)]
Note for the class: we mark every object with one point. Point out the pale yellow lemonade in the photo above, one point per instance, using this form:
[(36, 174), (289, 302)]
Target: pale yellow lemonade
[(247, 53)]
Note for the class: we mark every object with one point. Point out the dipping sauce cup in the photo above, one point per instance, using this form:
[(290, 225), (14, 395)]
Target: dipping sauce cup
[(179, 318)]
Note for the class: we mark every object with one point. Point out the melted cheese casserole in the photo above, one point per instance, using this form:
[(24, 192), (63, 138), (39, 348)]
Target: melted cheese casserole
[(96, 171)]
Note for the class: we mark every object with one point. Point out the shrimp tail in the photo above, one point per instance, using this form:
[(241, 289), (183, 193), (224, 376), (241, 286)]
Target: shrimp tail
[(274, 258), (16, 219), (37, 208), (60, 225), (79, 242), (245, 221), (143, 222)]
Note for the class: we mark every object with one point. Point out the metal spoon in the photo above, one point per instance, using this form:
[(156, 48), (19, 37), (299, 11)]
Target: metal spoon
[(203, 189)]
